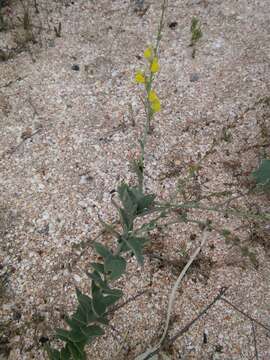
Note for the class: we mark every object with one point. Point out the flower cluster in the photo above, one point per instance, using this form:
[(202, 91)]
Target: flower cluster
[(142, 78)]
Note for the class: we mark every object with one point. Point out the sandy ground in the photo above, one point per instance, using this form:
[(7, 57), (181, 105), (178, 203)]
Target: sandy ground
[(66, 140)]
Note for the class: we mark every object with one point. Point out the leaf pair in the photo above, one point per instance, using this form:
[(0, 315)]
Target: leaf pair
[(134, 203), (114, 265)]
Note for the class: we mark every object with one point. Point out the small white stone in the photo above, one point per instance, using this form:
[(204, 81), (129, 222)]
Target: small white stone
[(77, 278), (218, 43)]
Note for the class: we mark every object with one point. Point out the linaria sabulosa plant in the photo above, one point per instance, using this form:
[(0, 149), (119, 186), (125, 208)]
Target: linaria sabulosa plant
[(91, 315)]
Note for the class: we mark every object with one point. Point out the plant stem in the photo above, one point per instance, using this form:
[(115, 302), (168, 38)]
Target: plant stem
[(196, 205), (148, 88)]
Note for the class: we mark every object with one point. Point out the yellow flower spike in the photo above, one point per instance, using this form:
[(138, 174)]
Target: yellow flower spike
[(148, 53), (152, 96), (155, 106), (154, 68), (139, 77)]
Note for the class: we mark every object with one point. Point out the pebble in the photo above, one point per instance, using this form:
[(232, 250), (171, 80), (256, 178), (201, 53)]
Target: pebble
[(84, 179), (194, 77), (77, 278), (172, 25), (75, 67), (218, 43), (51, 43)]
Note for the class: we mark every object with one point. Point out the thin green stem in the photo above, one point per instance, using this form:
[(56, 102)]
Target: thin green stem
[(197, 206), (148, 88)]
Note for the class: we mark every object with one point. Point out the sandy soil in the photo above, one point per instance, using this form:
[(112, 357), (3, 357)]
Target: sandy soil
[(67, 136)]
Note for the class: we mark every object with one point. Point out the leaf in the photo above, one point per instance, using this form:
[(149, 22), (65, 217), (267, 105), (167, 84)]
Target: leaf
[(74, 324), (115, 266), (63, 334), (102, 250), (110, 300), (86, 305), (85, 313), (93, 331), (123, 245), (98, 305), (109, 228), (98, 267), (134, 202), (77, 336), (85, 334), (126, 220), (136, 244), (262, 175), (80, 316), (143, 201), (115, 292), (95, 276), (127, 199), (52, 353), (65, 353), (103, 320), (77, 352)]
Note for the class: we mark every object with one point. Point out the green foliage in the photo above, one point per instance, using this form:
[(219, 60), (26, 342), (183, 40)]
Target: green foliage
[(3, 283), (262, 175), (134, 203), (196, 32), (115, 266), (92, 310), (2, 20)]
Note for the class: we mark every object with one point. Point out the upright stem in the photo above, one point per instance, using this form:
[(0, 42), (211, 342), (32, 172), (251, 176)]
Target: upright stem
[(148, 88)]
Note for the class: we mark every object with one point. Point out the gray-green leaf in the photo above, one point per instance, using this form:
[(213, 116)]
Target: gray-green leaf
[(115, 266), (102, 250), (262, 175)]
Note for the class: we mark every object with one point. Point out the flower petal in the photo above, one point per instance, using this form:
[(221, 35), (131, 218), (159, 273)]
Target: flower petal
[(139, 77), (155, 106), (152, 96), (154, 66), (148, 53)]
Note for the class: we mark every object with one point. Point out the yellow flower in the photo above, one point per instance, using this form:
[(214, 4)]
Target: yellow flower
[(139, 77), (155, 106), (154, 65), (152, 96), (148, 53)]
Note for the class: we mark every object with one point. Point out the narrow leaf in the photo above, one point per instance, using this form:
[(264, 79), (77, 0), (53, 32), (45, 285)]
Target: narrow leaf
[(95, 276), (98, 267), (86, 306), (77, 352), (63, 334), (102, 250), (98, 305), (110, 300), (126, 220), (93, 331), (52, 353), (65, 353), (115, 292)]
